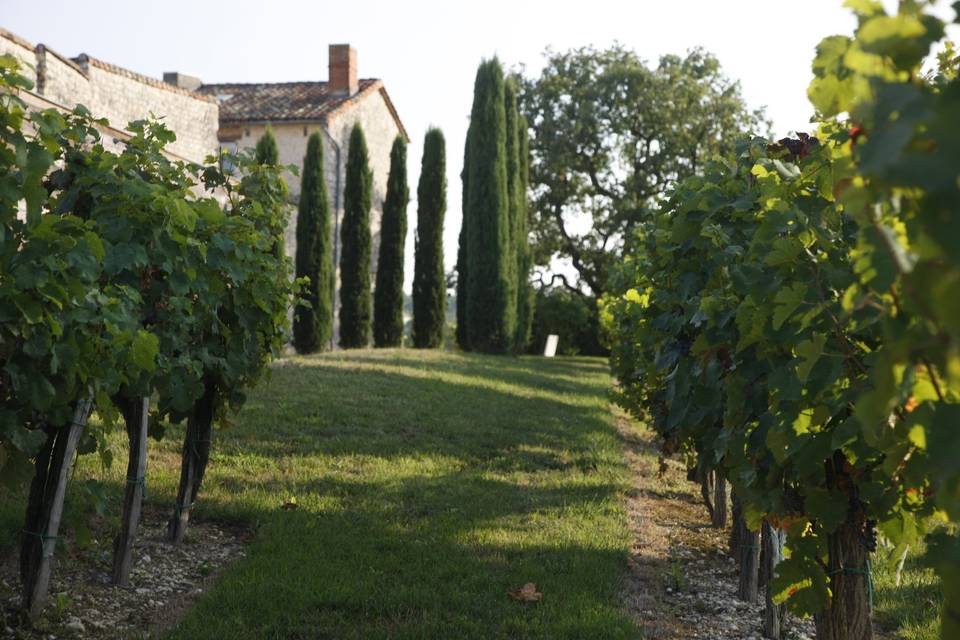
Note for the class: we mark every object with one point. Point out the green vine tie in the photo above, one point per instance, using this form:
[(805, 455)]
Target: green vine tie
[(867, 572), (142, 481), (178, 510), (43, 541)]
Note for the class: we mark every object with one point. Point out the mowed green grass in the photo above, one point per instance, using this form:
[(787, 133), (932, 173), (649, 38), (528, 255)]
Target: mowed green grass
[(428, 485), (913, 607)]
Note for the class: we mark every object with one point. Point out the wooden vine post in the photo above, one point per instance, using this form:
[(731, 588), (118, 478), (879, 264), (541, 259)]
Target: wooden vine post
[(713, 490), (136, 415), (719, 520), (196, 453), (749, 557), (771, 553), (705, 478), (47, 493)]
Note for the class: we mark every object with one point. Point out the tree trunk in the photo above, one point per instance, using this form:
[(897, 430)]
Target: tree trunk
[(847, 616), (774, 615), (196, 453), (737, 514), (45, 509), (135, 414), (719, 519)]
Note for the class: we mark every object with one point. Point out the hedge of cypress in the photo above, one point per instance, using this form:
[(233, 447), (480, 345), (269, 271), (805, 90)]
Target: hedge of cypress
[(429, 286), (388, 294), (312, 326), (355, 246), (491, 274)]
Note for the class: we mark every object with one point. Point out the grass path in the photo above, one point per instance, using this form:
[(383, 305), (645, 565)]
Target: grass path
[(428, 485)]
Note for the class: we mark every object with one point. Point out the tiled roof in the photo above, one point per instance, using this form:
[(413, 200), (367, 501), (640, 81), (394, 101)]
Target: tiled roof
[(279, 101)]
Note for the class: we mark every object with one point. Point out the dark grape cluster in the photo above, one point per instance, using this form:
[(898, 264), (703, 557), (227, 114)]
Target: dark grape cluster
[(798, 147), (792, 499), (683, 344), (868, 535)]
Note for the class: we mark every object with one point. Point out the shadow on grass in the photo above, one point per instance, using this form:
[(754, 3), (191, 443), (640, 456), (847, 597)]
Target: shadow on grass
[(315, 408), (672, 494), (425, 558), (463, 501), (526, 489), (352, 575), (428, 488), (533, 372)]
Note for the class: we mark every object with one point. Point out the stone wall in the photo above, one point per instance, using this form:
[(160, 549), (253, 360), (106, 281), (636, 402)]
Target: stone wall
[(291, 147), (64, 82), (122, 96), (119, 95)]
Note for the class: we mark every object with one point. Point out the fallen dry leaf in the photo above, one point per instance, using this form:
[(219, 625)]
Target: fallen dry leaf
[(526, 593)]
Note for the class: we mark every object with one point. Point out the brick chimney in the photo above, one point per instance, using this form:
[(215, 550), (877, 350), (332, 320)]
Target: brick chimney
[(343, 69)]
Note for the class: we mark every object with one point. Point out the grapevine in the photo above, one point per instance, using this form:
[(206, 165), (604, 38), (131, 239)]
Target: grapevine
[(815, 280), (124, 275)]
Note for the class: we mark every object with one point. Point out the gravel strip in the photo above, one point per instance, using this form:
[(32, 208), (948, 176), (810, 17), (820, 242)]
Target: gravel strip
[(681, 583), (164, 583)]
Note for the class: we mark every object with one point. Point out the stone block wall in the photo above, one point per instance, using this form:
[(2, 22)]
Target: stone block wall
[(64, 82), (119, 95), (122, 96)]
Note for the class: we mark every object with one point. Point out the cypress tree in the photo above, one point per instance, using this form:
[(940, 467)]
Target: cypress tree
[(525, 292), (266, 150), (463, 337), (266, 153), (514, 197), (388, 295), (491, 295), (355, 246), (313, 325), (429, 287)]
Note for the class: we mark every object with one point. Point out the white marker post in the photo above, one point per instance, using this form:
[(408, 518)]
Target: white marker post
[(551, 349)]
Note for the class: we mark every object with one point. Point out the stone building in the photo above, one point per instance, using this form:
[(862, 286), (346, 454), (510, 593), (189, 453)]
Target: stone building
[(116, 94), (295, 110), (209, 117)]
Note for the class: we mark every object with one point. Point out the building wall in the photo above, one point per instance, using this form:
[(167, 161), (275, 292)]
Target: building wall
[(64, 82), (380, 129), (119, 95), (291, 147)]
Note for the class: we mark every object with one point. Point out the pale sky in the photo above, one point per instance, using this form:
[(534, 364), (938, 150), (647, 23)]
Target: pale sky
[(427, 51)]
